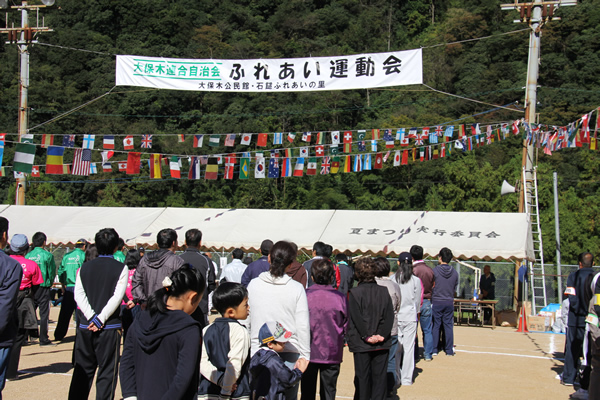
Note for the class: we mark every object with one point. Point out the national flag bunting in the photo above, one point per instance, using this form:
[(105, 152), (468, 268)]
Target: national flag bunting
[(244, 167), (35, 171), (348, 142), (155, 167), (128, 142), (146, 141), (278, 138), (299, 167), (311, 167), (230, 166), (88, 141), (273, 168), (108, 142), (230, 140), (69, 141), (133, 162), (262, 139), (24, 157), (325, 165), (194, 172), (286, 168), (306, 137), (335, 137), (259, 169), (198, 139), (47, 140), (175, 167), (212, 169), (54, 160), (214, 140), (291, 136), (246, 139), (81, 162)]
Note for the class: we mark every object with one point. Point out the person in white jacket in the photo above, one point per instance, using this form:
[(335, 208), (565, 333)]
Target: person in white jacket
[(410, 306), (274, 296)]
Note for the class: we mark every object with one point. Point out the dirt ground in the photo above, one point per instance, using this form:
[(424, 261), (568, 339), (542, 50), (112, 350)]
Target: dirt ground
[(489, 364)]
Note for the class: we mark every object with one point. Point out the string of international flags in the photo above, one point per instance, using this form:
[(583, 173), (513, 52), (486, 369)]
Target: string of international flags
[(346, 151)]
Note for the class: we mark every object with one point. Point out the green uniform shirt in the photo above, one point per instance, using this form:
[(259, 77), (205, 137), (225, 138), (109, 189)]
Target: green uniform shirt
[(119, 256), (45, 260), (71, 262)]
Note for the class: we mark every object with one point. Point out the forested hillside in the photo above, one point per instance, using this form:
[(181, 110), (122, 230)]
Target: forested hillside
[(491, 70)]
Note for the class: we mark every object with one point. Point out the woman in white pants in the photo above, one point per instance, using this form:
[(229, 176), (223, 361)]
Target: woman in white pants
[(412, 297)]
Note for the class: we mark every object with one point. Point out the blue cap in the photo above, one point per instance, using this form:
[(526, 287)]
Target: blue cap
[(273, 331), (405, 257), (19, 242)]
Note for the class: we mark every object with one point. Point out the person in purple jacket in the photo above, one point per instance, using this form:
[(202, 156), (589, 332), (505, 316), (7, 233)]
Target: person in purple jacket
[(328, 311)]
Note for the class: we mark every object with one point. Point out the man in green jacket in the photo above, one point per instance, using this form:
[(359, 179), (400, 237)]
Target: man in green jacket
[(45, 260), (67, 274), (119, 255)]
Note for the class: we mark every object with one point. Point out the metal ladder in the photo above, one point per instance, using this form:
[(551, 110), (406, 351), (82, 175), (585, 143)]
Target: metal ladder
[(536, 269)]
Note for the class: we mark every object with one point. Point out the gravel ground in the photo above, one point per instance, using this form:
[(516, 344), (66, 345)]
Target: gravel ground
[(489, 364)]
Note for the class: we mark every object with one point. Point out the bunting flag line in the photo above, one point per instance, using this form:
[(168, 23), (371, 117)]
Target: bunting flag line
[(108, 142), (88, 141), (198, 139)]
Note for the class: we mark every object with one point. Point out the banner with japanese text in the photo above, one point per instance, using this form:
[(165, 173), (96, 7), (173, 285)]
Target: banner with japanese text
[(359, 71)]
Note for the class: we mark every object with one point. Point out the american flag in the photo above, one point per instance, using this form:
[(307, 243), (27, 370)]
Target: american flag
[(146, 141), (81, 162), (325, 165)]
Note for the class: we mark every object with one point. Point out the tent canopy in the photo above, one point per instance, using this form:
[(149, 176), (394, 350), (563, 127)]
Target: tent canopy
[(470, 235)]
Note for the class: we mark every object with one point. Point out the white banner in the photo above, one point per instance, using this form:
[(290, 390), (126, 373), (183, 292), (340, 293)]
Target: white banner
[(358, 71)]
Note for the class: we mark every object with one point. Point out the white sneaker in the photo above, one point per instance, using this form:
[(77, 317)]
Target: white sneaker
[(580, 394)]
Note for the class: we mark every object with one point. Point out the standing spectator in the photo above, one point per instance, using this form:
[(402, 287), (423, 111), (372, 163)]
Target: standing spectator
[(204, 266), (91, 252), (161, 357), (369, 332), (345, 272), (442, 300), (153, 267), (578, 310), (226, 346), (274, 295), (487, 285), (382, 272), (259, 266), (45, 260), (119, 255), (67, 273), (320, 250), (233, 271), (425, 274), (32, 278), (594, 309), (128, 307), (408, 315), (297, 270), (99, 290), (328, 312), (10, 281)]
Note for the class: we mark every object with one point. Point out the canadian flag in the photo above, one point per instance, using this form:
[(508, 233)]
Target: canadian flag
[(128, 143), (123, 166)]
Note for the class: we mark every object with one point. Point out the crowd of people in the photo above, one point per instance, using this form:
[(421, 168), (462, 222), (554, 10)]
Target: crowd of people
[(283, 325)]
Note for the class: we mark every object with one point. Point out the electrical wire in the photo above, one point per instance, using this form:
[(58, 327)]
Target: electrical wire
[(474, 39), (473, 100)]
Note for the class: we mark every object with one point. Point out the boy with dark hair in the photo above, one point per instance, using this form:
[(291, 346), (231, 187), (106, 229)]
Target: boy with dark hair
[(320, 250), (233, 271), (259, 266), (119, 255), (226, 346), (67, 273), (270, 375), (99, 290), (202, 264), (45, 260), (425, 274)]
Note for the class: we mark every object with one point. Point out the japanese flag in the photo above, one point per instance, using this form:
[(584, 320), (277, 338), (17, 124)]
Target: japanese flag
[(397, 158), (246, 139)]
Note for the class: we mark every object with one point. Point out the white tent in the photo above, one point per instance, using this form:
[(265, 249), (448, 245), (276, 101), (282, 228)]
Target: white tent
[(469, 235)]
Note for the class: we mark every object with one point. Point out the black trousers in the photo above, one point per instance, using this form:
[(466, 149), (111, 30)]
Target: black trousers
[(574, 350), (67, 307), (93, 350), (370, 375), (328, 380), (594, 388), (42, 302)]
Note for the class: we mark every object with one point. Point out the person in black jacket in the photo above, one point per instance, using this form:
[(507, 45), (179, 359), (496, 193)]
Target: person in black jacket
[(11, 274), (99, 289), (193, 256), (161, 357), (369, 332)]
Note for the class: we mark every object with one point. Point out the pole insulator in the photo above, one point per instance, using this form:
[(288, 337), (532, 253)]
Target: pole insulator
[(28, 35)]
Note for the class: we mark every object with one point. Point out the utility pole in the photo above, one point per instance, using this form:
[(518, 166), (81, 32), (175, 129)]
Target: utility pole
[(23, 36), (536, 13)]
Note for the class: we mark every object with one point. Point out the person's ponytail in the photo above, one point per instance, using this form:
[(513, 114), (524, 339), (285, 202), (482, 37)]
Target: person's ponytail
[(180, 282)]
